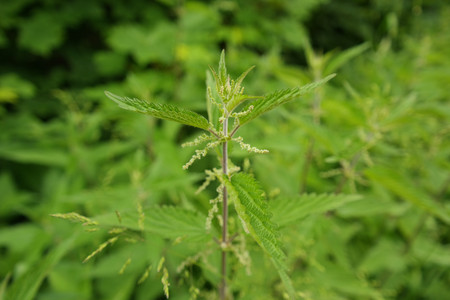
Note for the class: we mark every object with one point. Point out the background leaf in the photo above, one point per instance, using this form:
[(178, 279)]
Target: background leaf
[(289, 210), (398, 184), (26, 287), (278, 98), (342, 58)]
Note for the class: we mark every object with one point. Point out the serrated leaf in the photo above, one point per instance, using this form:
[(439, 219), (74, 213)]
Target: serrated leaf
[(242, 77), (278, 98), (236, 91), (238, 100), (166, 221), (287, 282), (400, 185), (289, 210), (222, 68), (221, 76), (253, 210), (162, 111), (213, 110)]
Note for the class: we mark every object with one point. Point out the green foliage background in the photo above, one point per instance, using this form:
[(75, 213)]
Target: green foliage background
[(382, 134)]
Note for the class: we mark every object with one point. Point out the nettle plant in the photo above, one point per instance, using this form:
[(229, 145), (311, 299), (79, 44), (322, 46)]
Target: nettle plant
[(229, 108)]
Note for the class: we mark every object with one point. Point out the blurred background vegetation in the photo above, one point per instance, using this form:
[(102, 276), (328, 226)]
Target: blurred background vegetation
[(380, 129)]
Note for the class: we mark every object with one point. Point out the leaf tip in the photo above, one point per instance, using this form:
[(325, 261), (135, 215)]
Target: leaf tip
[(112, 96), (331, 76)]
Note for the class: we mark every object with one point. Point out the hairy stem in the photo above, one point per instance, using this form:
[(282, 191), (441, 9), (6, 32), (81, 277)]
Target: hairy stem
[(223, 286), (234, 130), (309, 153), (305, 169), (344, 179), (214, 133)]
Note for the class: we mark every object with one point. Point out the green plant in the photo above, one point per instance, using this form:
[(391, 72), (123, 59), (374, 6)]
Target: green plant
[(383, 133), (226, 101)]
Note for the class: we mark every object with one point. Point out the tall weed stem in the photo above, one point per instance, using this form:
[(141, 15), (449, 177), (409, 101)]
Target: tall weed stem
[(224, 243)]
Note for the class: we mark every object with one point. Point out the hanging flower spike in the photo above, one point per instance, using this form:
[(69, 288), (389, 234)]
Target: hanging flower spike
[(242, 113), (201, 153), (213, 210), (210, 177), (213, 100), (198, 140), (248, 147)]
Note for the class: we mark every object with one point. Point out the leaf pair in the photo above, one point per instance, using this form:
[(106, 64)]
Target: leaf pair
[(229, 91)]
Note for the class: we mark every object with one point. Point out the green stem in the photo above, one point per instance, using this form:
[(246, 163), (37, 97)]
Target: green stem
[(309, 153), (305, 169), (234, 130)]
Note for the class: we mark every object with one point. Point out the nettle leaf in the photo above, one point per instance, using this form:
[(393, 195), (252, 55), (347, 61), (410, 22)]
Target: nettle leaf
[(211, 97), (173, 222), (166, 221), (406, 189), (278, 98), (241, 79), (237, 89), (26, 286), (222, 68), (289, 210), (253, 210), (221, 75), (238, 100), (162, 111)]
